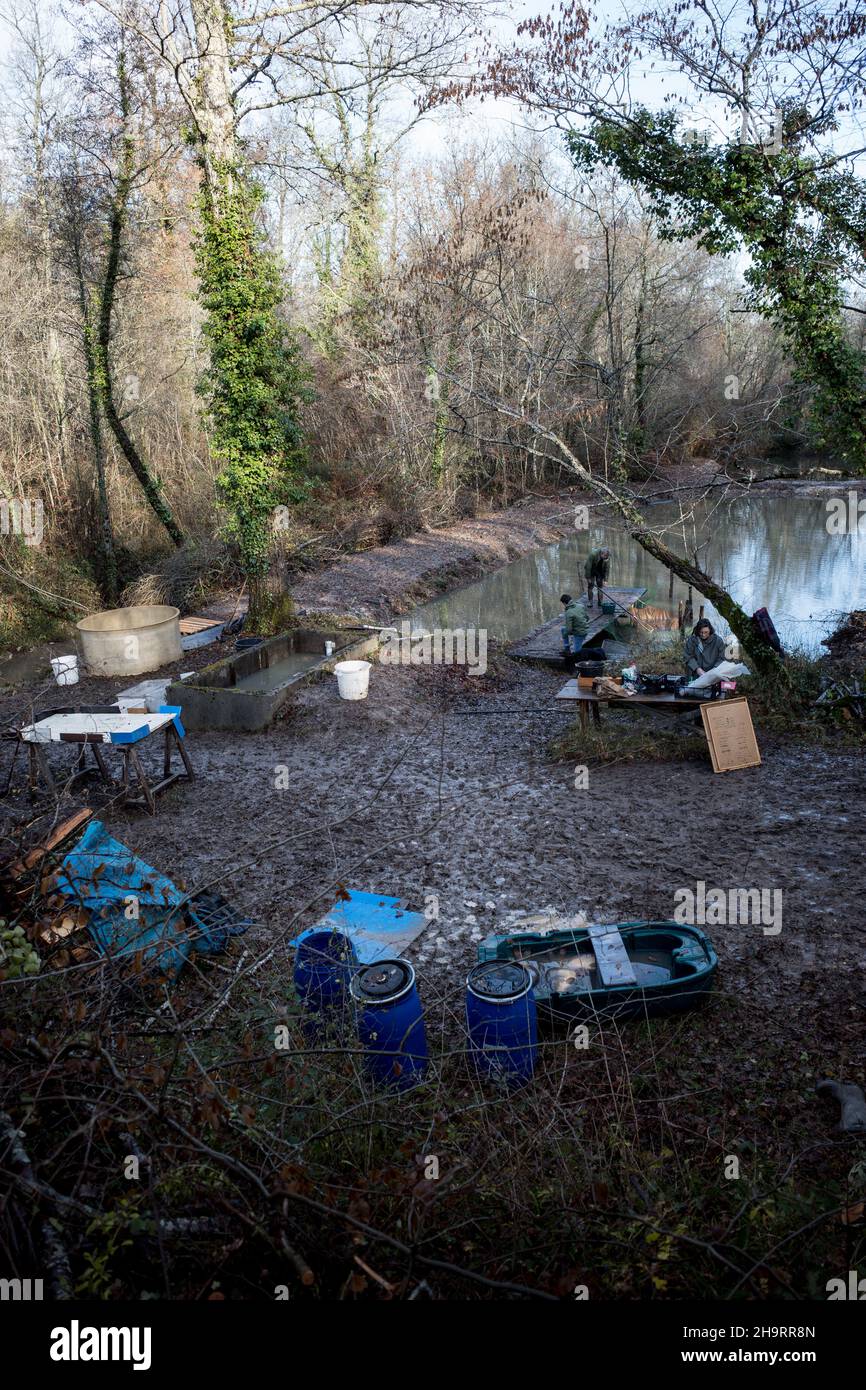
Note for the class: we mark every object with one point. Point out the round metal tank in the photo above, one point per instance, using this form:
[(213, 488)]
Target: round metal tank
[(130, 641)]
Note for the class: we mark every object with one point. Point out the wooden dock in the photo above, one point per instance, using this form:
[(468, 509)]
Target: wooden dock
[(545, 643)]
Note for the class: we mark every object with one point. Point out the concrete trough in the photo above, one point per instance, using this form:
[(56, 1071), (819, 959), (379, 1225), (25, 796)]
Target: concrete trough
[(245, 692)]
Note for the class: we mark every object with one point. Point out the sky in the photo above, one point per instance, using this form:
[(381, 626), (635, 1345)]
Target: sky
[(435, 135)]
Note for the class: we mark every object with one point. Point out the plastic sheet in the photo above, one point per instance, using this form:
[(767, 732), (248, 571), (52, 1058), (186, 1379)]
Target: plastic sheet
[(135, 909)]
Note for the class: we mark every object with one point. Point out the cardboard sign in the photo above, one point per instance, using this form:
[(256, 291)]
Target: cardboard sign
[(730, 734)]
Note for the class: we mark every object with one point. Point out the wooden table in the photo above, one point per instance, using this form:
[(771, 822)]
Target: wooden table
[(657, 704), (96, 728)]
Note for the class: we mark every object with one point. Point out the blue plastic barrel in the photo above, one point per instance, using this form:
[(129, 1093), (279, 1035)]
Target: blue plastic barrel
[(324, 964), (390, 1023), (502, 1021)]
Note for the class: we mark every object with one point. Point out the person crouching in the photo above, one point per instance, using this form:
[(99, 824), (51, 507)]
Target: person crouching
[(574, 629)]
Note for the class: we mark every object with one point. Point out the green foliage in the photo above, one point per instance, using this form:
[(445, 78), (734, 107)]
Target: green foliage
[(114, 1230), (799, 223), (17, 956), (256, 381)]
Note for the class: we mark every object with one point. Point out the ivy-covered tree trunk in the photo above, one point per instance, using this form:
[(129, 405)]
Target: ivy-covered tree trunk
[(793, 217), (107, 552), (255, 381)]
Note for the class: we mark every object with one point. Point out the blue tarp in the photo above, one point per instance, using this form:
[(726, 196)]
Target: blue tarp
[(377, 925), (134, 908)]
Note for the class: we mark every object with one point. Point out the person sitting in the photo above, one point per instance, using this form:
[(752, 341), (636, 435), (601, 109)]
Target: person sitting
[(576, 622), (595, 572), (704, 649)]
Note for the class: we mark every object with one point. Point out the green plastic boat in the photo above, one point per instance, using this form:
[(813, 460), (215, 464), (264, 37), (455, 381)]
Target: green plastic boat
[(622, 969)]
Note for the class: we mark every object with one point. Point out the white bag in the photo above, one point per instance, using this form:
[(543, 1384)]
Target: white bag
[(725, 671)]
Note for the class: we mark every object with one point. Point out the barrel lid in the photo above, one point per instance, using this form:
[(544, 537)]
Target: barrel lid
[(499, 979), (384, 980)]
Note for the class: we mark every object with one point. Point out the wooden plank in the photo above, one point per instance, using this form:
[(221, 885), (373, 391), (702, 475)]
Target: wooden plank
[(545, 642), (62, 832), (82, 727), (572, 691), (190, 625), (611, 957)]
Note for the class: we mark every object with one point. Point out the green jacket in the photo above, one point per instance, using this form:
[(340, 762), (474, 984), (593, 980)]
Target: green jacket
[(576, 618), (596, 567)]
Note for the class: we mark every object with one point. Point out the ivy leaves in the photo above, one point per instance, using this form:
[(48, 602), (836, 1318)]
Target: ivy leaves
[(799, 222), (256, 381)]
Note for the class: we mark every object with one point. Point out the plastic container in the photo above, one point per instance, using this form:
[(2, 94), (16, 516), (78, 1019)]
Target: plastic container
[(130, 641), (324, 964), (501, 1020), (149, 695), (65, 669), (353, 679), (390, 1023)]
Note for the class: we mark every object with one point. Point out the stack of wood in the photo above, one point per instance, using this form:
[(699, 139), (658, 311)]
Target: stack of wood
[(606, 686), (55, 927)]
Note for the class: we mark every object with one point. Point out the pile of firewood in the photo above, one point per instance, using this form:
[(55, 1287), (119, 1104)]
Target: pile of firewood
[(55, 928)]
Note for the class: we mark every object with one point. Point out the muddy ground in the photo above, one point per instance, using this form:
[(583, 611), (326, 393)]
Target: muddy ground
[(440, 788), (442, 783)]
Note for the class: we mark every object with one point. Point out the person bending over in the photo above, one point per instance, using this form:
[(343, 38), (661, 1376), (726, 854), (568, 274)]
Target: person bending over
[(595, 572)]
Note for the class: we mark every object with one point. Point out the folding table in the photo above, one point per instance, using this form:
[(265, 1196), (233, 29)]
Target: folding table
[(95, 726)]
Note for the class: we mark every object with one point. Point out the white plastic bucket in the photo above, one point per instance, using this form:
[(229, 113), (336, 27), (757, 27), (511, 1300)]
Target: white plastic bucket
[(65, 669), (353, 679)]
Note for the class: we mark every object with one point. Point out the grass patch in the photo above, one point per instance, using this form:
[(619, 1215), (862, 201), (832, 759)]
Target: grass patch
[(40, 594)]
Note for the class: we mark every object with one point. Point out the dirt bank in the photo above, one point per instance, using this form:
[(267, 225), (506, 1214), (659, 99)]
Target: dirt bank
[(382, 583)]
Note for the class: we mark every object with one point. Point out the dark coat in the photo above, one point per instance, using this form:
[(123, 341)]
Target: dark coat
[(713, 653), (597, 566)]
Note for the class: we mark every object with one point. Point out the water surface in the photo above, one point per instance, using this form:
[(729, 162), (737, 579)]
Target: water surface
[(768, 551)]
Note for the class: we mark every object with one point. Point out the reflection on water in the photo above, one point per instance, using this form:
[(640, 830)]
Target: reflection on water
[(771, 552)]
